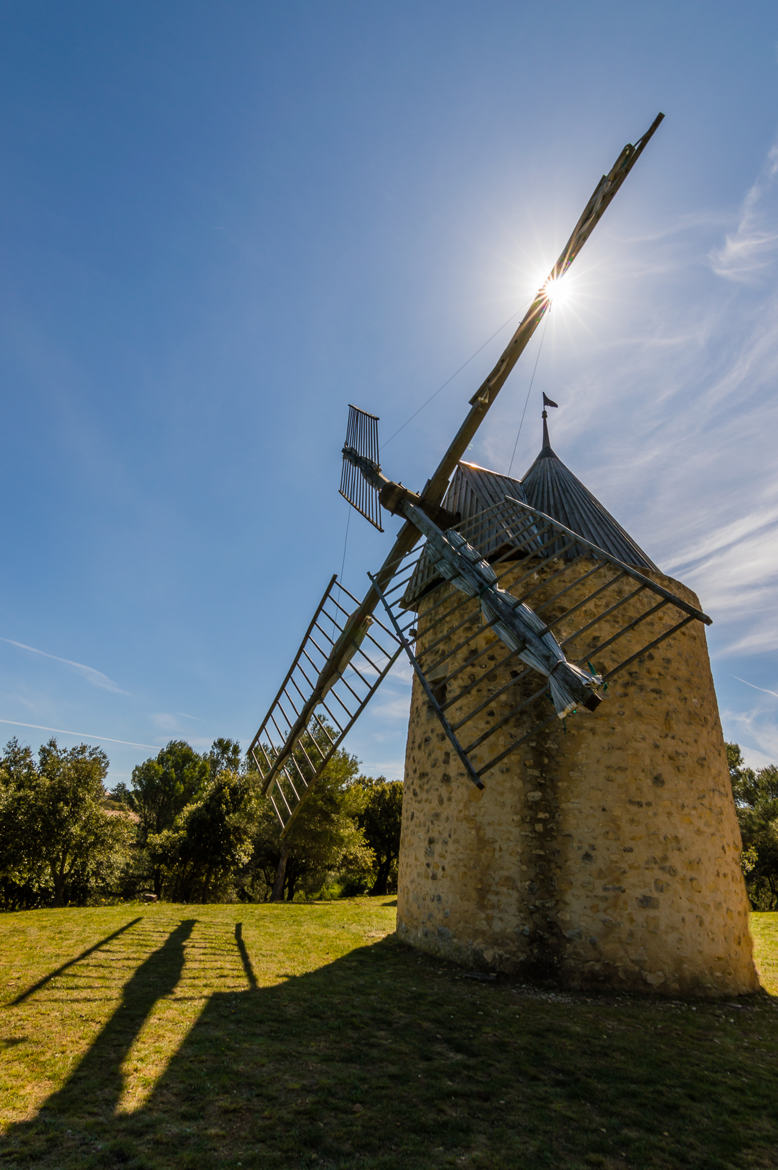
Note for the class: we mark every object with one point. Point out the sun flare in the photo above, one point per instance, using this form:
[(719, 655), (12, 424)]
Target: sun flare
[(558, 289)]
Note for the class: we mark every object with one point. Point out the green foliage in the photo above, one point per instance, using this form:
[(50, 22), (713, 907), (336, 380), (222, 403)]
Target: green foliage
[(379, 817), (323, 842), (191, 827), (224, 756), (756, 801), (160, 790), (211, 839), (58, 844), (162, 787), (197, 816)]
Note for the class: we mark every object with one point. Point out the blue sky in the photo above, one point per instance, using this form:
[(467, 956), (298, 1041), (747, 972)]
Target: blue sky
[(223, 222)]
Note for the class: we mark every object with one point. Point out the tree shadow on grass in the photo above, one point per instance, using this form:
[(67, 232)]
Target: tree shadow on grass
[(390, 1060)]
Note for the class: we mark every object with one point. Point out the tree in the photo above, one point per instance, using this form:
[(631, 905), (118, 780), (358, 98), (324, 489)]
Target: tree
[(57, 843), (160, 790), (324, 836), (198, 816), (380, 818), (225, 756), (23, 877), (211, 839), (756, 802), (121, 794)]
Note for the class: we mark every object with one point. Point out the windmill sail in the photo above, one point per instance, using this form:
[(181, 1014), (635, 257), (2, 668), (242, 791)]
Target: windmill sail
[(362, 437), (287, 769), (592, 599), (313, 710), (517, 626)]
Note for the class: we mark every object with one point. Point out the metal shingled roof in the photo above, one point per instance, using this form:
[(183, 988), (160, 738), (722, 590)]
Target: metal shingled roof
[(474, 488), (552, 488)]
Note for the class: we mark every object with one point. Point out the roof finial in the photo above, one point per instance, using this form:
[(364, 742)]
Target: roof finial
[(547, 402)]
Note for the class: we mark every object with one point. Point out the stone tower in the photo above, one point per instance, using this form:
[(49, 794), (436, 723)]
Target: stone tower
[(605, 851)]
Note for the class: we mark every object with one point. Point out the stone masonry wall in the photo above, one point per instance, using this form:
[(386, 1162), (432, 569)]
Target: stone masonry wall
[(604, 852)]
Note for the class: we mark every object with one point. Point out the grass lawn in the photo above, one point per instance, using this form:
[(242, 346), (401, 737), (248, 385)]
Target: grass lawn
[(307, 1036)]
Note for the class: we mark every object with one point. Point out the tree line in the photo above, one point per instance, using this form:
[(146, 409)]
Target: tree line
[(194, 827), (189, 827), (756, 800)]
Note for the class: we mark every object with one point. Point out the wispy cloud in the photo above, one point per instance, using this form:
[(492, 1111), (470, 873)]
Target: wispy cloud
[(751, 357), (171, 723), (752, 247), (401, 672), (713, 541), (93, 676), (394, 708), (757, 639), (392, 769), (756, 732), (81, 734), (671, 421), (739, 579), (679, 228)]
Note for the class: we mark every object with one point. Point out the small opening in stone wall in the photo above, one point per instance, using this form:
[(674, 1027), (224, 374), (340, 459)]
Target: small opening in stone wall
[(438, 684)]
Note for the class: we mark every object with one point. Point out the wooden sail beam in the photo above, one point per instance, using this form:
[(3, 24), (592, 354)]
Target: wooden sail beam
[(486, 393), (480, 404)]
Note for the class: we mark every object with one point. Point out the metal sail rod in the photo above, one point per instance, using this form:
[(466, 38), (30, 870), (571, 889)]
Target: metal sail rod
[(433, 701), (483, 399)]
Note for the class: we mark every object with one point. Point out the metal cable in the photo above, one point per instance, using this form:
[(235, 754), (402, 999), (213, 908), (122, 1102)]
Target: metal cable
[(345, 544), (529, 390), (450, 379)]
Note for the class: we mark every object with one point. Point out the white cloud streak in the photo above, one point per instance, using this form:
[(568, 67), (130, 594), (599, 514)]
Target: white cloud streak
[(392, 769), (715, 541), (761, 640), (764, 690), (81, 734), (750, 249), (93, 676)]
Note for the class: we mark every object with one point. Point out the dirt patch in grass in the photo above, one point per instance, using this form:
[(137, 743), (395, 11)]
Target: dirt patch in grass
[(307, 1036)]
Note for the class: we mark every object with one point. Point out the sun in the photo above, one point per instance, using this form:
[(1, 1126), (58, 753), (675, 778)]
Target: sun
[(558, 290)]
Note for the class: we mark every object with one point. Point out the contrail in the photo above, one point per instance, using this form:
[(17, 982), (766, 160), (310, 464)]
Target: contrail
[(754, 687), (82, 734)]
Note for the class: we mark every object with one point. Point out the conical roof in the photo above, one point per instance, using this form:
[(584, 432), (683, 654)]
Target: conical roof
[(552, 488)]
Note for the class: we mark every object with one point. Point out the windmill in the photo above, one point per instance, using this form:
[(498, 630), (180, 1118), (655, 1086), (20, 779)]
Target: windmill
[(520, 628)]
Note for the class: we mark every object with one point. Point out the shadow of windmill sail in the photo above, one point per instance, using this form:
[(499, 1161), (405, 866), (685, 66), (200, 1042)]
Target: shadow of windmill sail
[(603, 849), (98, 1115), (386, 1057), (98, 1075)]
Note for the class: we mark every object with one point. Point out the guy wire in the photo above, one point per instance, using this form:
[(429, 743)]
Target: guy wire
[(529, 390), (450, 379), (345, 543), (342, 566)]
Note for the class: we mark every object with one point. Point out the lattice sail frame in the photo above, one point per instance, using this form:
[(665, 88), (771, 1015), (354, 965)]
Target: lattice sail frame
[(590, 600), (362, 437), (284, 757), (289, 759)]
